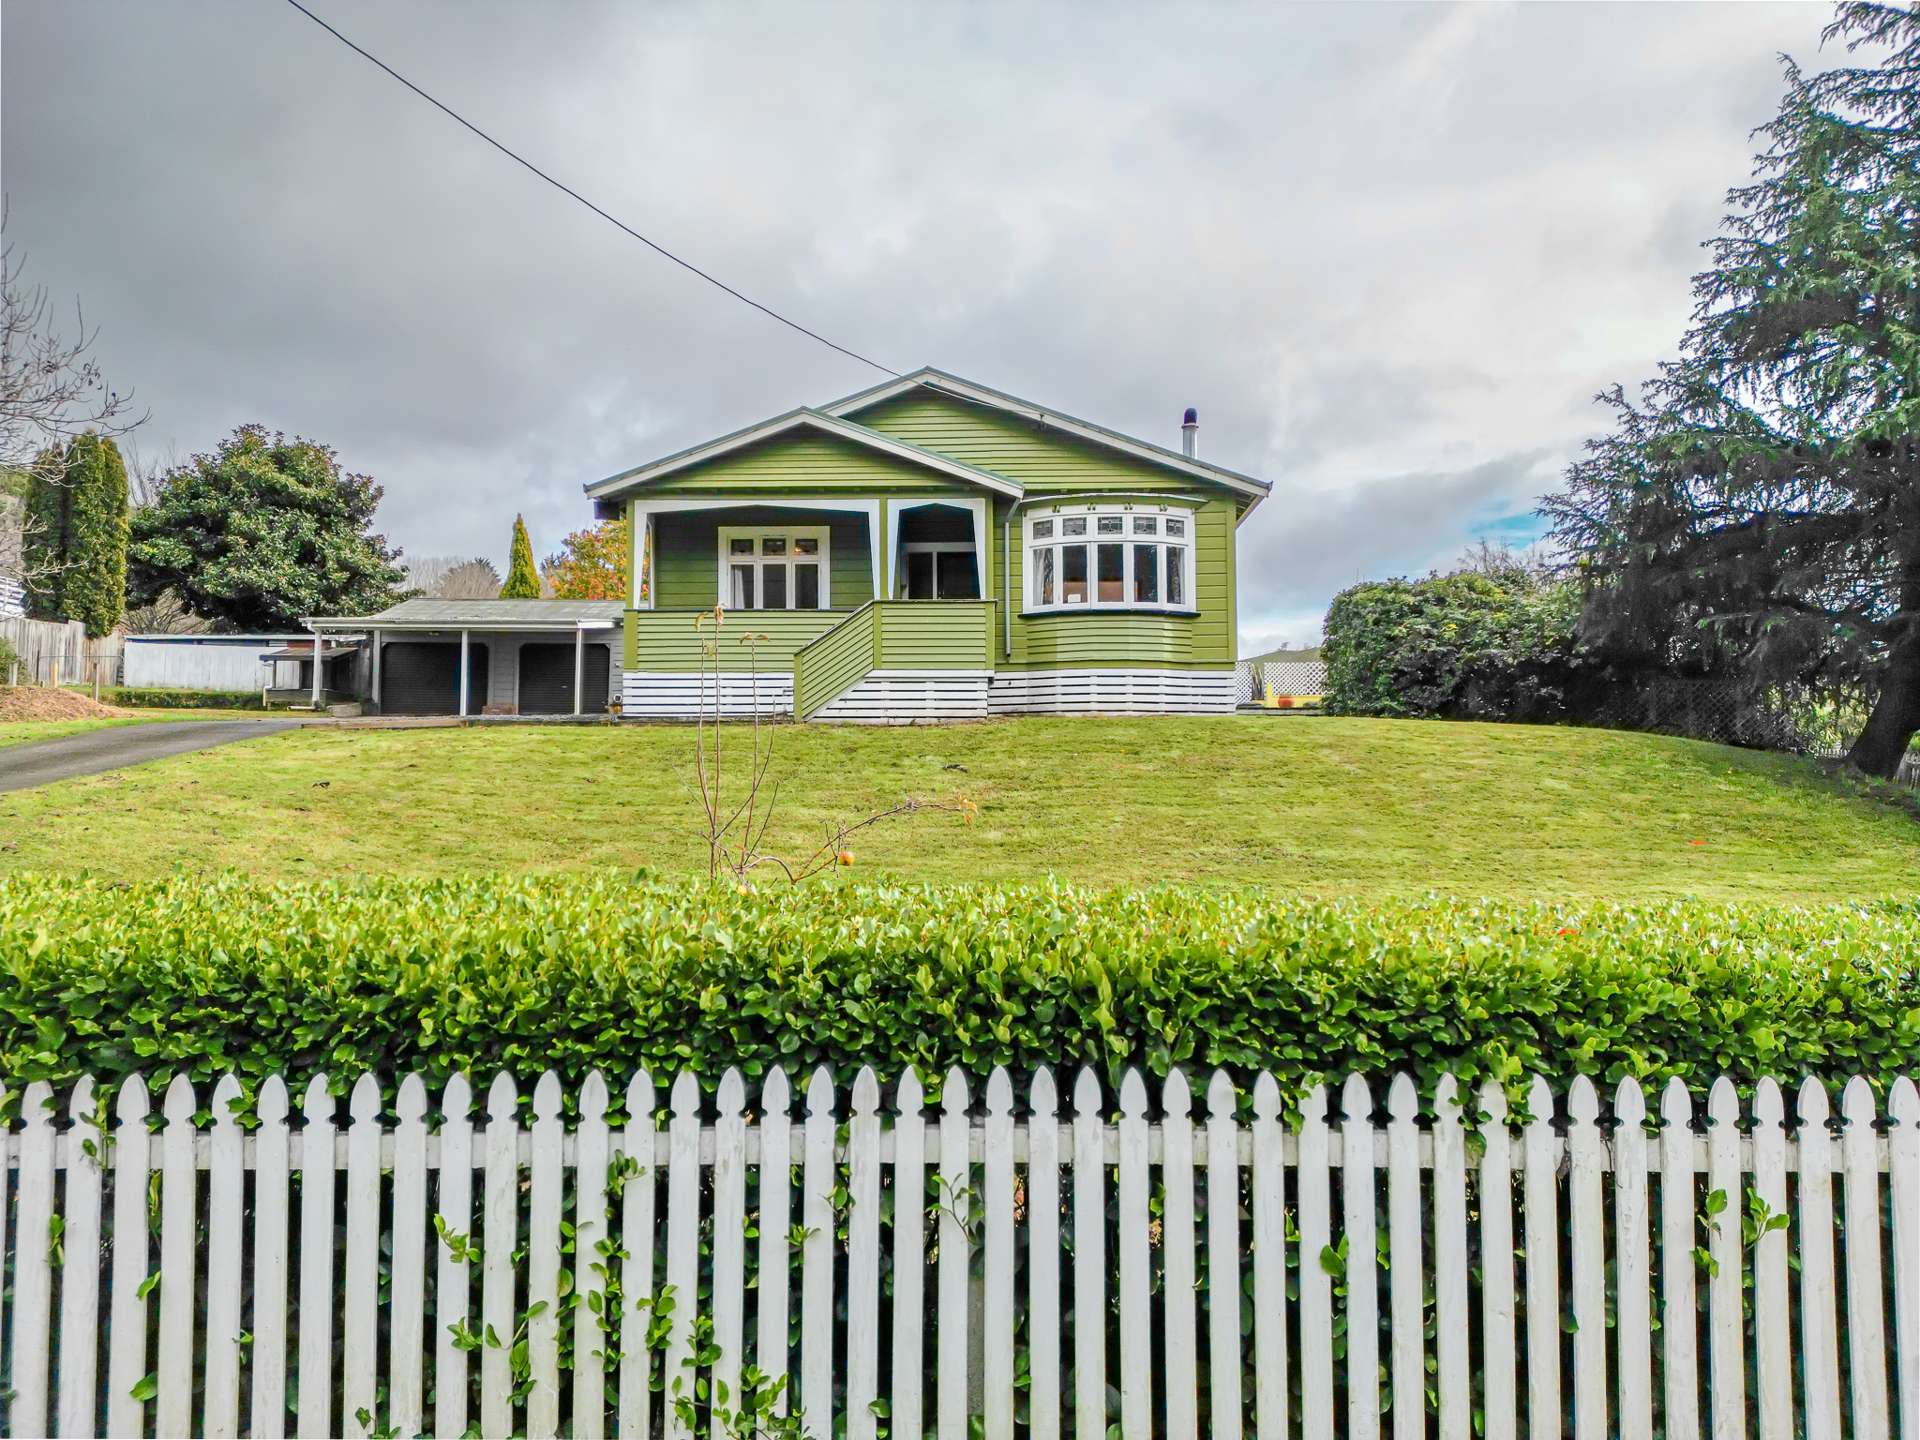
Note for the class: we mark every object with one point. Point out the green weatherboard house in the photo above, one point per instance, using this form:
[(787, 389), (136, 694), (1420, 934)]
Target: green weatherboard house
[(931, 549)]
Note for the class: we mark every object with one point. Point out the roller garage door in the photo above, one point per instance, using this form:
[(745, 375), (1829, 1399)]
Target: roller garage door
[(546, 679), (418, 678)]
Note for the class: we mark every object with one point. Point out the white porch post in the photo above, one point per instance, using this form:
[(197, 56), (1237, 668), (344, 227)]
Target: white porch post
[(579, 660), (317, 638), (463, 673), (376, 667)]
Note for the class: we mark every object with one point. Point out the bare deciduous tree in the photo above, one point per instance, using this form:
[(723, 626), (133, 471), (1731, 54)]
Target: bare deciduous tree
[(447, 577), (51, 389)]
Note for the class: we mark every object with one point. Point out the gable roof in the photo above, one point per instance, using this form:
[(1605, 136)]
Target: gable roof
[(795, 421), (940, 382)]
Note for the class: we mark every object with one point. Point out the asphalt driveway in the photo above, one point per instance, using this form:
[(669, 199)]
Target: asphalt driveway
[(40, 762)]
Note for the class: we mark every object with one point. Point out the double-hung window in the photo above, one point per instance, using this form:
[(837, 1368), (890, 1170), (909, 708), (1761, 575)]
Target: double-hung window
[(1108, 557), (774, 569)]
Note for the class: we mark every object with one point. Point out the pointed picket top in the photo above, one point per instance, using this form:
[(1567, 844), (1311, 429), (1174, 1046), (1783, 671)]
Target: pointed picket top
[(546, 1096), (1446, 1095), (1676, 1104), (1043, 1100), (1176, 1096), (364, 1104), (1133, 1096), (1086, 1092), (410, 1103), (1223, 1102), (910, 1094), (316, 1106), (80, 1100), (1539, 1101), (503, 1099), (999, 1092), (1583, 1102), (36, 1106), (1767, 1107), (732, 1097), (1723, 1103), (1903, 1101), (1813, 1105), (820, 1091), (226, 1095), (272, 1100), (1356, 1101), (178, 1106), (953, 1094), (866, 1092), (130, 1106), (1493, 1103), (1266, 1094), (593, 1096), (1403, 1101), (685, 1098), (1856, 1102), (640, 1100), (1629, 1103), (1313, 1105)]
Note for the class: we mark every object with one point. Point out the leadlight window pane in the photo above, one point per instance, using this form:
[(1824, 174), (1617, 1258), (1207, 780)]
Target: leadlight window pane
[(773, 580), (1073, 573), (740, 545), (806, 544), (1043, 563), (1074, 525), (1176, 527), (1112, 575), (774, 545), (1146, 574), (1111, 524), (806, 587), (1176, 574), (1043, 529), (742, 598), (1146, 524)]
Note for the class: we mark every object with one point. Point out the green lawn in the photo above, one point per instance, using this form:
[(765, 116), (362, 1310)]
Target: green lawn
[(1313, 806)]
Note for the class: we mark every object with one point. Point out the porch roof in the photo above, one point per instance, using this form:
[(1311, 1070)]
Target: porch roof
[(527, 615), (803, 419)]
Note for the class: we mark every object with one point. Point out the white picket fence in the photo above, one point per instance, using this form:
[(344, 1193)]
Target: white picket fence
[(1321, 1276)]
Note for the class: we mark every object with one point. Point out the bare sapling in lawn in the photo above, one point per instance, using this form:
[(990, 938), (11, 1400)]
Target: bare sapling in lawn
[(737, 837)]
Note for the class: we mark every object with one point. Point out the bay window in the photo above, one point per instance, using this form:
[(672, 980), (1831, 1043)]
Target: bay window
[(774, 569), (1107, 557)]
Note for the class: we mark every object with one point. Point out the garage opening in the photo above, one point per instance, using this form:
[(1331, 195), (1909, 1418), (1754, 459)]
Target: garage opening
[(423, 678), (546, 679)]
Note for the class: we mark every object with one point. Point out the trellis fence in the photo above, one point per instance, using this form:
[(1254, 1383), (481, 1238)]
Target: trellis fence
[(1255, 679), (1050, 1269)]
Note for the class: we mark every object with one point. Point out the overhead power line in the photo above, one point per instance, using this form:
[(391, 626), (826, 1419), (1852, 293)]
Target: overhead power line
[(569, 191)]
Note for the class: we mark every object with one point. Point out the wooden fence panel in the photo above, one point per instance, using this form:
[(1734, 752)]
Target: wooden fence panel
[(1805, 1295)]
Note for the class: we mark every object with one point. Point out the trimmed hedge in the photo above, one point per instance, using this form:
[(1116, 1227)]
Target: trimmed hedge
[(158, 698), (577, 973)]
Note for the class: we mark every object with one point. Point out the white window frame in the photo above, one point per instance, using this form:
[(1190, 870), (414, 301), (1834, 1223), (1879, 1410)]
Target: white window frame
[(1182, 548), (932, 547), (762, 563)]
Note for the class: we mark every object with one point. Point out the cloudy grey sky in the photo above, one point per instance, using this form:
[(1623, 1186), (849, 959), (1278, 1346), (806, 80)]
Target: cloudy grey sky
[(1390, 252)]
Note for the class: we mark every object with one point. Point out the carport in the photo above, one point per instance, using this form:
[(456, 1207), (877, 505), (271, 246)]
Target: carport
[(495, 657)]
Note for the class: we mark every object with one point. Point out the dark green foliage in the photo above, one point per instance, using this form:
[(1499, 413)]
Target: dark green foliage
[(523, 581), (263, 532), (159, 698), (573, 974), (76, 541), (1757, 510), (1473, 645)]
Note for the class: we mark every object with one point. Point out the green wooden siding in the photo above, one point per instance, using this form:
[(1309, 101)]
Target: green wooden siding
[(935, 634), (687, 552), (803, 464), (830, 665), (665, 640), (1016, 448)]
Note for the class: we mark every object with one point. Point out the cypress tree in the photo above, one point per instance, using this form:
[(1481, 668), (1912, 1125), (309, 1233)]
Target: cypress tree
[(44, 544), (94, 589), (523, 581)]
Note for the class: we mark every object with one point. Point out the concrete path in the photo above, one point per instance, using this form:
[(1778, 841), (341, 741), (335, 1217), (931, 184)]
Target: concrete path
[(40, 762)]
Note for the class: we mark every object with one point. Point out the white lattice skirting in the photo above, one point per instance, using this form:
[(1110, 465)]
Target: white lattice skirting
[(666, 696), (902, 697), (1080, 692)]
